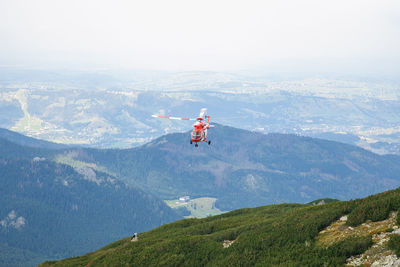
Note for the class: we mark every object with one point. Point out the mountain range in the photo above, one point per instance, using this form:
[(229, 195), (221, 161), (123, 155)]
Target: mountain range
[(99, 195), (113, 110), (248, 169)]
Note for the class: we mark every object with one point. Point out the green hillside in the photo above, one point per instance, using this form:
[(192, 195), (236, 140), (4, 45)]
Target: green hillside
[(274, 235)]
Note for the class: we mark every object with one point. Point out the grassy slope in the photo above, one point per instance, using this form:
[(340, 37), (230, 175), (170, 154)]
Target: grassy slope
[(76, 164), (280, 235)]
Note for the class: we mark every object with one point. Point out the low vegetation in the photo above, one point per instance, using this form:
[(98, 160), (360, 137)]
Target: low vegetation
[(275, 235), (394, 244)]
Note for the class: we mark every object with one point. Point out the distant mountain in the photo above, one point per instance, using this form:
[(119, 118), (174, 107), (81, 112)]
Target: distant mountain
[(110, 110), (248, 169), (50, 210), (362, 232)]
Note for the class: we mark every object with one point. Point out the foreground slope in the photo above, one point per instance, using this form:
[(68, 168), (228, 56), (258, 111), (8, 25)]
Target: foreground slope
[(50, 210), (275, 235)]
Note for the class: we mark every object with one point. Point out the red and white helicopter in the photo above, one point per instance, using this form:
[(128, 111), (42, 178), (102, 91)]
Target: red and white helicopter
[(201, 126)]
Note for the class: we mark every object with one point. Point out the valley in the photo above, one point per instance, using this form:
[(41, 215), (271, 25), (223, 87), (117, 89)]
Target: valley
[(115, 113)]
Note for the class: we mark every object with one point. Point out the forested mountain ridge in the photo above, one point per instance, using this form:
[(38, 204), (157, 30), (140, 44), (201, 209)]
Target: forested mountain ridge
[(241, 168), (23, 140), (247, 169), (50, 210), (274, 235)]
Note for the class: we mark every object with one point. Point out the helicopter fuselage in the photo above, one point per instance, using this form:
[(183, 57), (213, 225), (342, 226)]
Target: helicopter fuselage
[(199, 133)]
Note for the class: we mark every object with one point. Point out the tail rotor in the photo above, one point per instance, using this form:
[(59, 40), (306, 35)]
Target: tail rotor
[(203, 113)]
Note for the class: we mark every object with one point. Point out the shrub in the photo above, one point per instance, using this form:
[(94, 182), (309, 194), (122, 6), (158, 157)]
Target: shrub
[(398, 217), (394, 243), (352, 246), (377, 210)]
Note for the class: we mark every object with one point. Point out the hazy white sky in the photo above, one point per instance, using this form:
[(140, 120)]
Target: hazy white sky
[(200, 35)]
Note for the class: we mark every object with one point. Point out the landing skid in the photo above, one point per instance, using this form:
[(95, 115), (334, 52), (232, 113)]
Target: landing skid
[(196, 144)]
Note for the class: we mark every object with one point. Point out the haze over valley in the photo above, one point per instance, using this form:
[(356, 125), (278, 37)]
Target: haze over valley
[(113, 109)]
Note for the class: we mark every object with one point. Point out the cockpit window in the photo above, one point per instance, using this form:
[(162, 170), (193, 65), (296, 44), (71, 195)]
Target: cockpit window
[(196, 135)]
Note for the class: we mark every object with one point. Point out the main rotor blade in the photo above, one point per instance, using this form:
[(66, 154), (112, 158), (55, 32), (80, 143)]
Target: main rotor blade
[(173, 118)]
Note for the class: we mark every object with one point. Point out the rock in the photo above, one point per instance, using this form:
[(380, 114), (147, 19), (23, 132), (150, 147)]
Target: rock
[(343, 218), (227, 243), (355, 260), (388, 261), (134, 237)]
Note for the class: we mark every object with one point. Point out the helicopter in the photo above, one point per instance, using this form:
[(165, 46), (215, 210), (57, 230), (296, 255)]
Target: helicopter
[(201, 126)]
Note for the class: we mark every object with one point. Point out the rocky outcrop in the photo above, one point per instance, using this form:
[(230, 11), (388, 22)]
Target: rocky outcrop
[(378, 254), (388, 261)]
